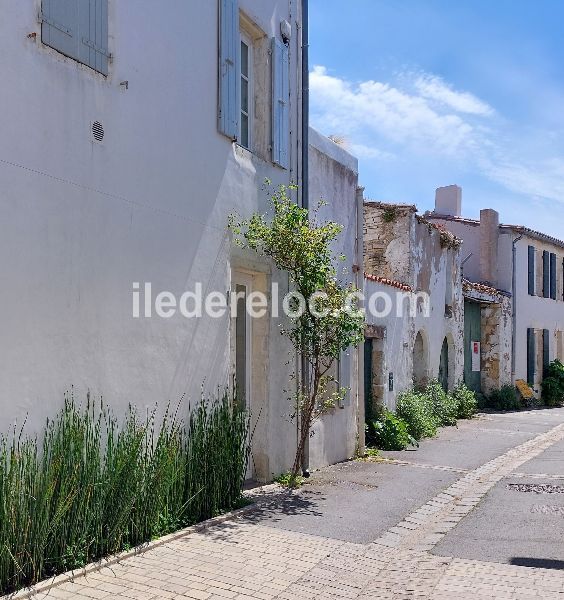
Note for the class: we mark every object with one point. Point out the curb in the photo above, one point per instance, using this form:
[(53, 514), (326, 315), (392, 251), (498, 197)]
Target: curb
[(253, 495)]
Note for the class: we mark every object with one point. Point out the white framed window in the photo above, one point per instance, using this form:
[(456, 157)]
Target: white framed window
[(245, 91)]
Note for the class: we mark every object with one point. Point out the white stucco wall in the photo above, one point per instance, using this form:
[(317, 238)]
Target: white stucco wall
[(535, 312), (82, 221), (334, 179)]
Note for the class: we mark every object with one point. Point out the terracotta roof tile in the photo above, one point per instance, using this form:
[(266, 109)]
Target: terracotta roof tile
[(390, 282)]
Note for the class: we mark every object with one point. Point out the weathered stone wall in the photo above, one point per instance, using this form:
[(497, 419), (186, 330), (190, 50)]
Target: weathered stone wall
[(406, 249), (387, 233), (496, 344)]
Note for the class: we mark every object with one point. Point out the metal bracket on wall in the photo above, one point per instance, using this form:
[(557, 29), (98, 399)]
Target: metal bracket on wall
[(94, 46), (44, 19)]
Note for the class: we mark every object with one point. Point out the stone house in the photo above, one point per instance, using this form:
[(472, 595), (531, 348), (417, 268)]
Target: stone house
[(514, 294), (116, 183), (413, 301)]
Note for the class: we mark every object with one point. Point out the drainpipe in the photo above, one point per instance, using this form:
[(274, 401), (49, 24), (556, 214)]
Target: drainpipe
[(305, 104), (359, 282), (464, 262), (514, 303), (305, 179)]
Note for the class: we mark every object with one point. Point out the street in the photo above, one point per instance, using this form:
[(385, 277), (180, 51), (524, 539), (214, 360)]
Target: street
[(475, 513)]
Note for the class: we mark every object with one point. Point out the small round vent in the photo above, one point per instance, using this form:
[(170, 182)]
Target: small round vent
[(97, 131)]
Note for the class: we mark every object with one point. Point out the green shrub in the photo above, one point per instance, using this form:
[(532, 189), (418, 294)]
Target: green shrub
[(389, 432), (466, 402), (505, 398), (553, 385), (416, 410), (444, 407), (94, 487), (286, 480)]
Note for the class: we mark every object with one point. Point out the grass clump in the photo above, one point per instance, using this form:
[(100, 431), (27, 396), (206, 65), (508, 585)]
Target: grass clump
[(426, 410), (466, 402), (444, 406), (505, 398), (289, 481), (388, 432), (553, 385), (416, 409), (95, 486)]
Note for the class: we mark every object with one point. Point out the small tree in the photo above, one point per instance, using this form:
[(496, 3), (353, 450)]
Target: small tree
[(328, 323)]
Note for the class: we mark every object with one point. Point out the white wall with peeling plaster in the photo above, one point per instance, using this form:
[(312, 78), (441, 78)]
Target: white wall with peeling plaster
[(428, 266)]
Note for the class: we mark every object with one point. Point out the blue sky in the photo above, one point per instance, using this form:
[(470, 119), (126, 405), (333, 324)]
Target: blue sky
[(433, 92)]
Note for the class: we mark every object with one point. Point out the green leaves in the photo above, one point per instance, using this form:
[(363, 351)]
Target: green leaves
[(300, 244)]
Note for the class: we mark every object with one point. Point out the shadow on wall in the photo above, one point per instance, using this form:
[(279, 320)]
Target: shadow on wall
[(421, 360)]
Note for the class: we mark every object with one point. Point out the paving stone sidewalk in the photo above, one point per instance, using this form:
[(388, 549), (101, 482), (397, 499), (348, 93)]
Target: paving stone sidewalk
[(245, 559)]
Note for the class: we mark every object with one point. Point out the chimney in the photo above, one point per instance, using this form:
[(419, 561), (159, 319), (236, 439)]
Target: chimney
[(448, 200), (489, 237)]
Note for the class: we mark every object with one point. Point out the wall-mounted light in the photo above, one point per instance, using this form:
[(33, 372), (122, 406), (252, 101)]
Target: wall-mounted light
[(285, 31)]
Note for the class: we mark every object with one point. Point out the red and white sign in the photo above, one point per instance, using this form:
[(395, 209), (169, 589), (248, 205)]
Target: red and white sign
[(476, 354)]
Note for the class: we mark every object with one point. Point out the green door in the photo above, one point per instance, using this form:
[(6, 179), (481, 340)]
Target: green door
[(368, 378), (472, 334), (443, 366)]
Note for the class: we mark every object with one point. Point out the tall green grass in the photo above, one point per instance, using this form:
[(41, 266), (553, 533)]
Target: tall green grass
[(95, 486)]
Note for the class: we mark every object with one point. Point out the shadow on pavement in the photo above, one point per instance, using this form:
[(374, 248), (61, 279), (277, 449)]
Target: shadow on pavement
[(538, 563)]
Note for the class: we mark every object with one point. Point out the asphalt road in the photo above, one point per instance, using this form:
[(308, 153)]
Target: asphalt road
[(358, 501)]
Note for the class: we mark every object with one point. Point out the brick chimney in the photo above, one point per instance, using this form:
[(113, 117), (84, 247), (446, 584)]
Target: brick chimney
[(489, 238), (448, 200)]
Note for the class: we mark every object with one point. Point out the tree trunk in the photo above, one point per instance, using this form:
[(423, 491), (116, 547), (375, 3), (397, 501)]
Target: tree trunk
[(305, 426)]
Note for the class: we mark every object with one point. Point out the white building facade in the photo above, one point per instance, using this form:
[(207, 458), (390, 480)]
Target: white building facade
[(525, 265), (131, 131)]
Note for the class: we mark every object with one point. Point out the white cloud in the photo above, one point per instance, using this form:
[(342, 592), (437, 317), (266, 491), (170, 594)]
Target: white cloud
[(373, 108), (434, 88), (364, 151), (541, 179)]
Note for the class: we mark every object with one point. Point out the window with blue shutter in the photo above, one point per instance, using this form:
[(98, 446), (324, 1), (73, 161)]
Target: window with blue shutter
[(228, 109), (545, 350), (78, 29), (531, 356), (280, 100), (531, 270), (553, 276), (546, 274)]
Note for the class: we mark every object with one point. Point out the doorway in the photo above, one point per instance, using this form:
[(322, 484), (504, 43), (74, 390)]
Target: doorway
[(443, 366), (241, 347), (472, 340)]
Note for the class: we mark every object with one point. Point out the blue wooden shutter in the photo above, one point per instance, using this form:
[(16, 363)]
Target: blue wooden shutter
[(531, 271), (280, 101), (59, 26), (553, 276), (228, 109), (546, 274), (93, 28), (545, 350), (531, 356)]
